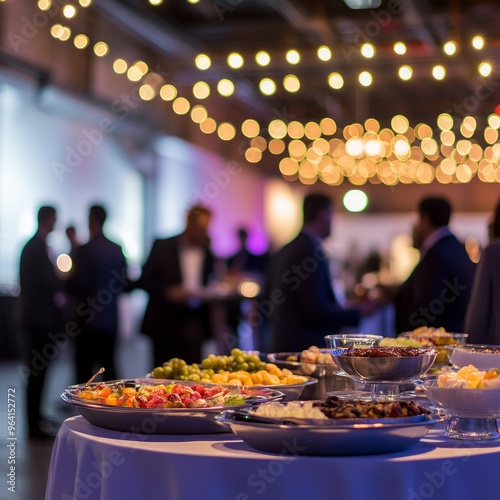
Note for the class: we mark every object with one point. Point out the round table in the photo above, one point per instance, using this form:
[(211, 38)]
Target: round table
[(91, 463)]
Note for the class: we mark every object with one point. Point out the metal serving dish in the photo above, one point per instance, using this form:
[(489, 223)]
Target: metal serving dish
[(158, 420), (328, 437), (325, 373), (380, 368)]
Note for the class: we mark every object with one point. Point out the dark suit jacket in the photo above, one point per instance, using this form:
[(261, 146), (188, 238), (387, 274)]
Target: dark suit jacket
[(161, 270), (438, 290), (39, 285), (99, 277), (301, 299)]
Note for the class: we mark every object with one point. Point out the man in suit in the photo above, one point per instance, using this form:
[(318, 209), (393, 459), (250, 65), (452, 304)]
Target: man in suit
[(482, 321), (300, 298), (174, 275), (41, 301), (99, 277), (438, 290)]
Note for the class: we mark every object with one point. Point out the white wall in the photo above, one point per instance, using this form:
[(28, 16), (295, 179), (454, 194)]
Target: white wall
[(34, 170)]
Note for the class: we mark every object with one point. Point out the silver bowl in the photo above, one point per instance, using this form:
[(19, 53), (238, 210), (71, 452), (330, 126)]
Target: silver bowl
[(325, 373), (386, 369)]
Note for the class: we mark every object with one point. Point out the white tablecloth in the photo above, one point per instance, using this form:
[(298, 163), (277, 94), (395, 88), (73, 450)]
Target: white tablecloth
[(91, 463)]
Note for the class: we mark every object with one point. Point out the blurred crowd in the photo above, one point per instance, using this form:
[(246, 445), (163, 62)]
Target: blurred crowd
[(285, 299)]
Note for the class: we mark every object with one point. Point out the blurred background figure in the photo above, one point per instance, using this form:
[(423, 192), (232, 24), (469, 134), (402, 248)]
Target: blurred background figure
[(300, 300), (242, 265), (243, 260), (99, 276), (41, 303), (174, 275), (438, 290), (482, 321)]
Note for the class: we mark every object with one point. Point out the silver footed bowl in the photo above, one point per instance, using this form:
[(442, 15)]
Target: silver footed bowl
[(385, 364)]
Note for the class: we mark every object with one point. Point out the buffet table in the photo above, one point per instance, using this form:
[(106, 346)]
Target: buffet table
[(91, 463)]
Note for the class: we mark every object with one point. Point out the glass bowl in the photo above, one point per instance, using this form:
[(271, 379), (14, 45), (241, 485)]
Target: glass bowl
[(352, 340), (483, 357), (473, 412)]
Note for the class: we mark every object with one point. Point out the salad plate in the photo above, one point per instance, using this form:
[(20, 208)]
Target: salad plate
[(145, 412)]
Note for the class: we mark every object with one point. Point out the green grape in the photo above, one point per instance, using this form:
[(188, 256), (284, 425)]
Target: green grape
[(158, 372)]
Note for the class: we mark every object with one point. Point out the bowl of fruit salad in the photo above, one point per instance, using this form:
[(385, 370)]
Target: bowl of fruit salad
[(237, 369), (471, 398), (148, 407)]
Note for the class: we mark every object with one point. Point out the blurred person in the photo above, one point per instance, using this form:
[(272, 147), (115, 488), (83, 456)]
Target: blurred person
[(243, 260), (438, 290), (174, 275), (300, 299), (99, 276), (243, 264), (41, 302), (482, 321)]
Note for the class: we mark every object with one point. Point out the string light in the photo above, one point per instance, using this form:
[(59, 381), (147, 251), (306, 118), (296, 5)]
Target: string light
[(405, 72), (267, 86), (293, 57), (365, 78), (400, 48), (368, 153), (335, 81), (324, 53), (485, 69), (225, 87), (81, 41), (235, 60), (438, 72), (69, 11), (203, 62), (262, 58), (450, 48), (478, 42), (367, 50)]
